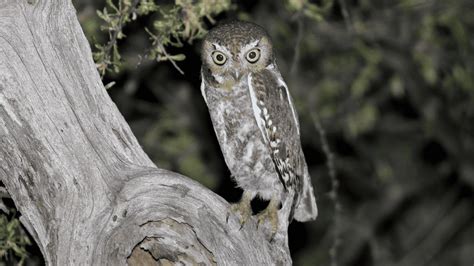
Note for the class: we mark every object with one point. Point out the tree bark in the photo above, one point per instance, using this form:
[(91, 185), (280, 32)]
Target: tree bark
[(87, 192)]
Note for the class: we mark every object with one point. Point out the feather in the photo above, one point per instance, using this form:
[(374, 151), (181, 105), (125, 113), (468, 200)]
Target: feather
[(278, 122)]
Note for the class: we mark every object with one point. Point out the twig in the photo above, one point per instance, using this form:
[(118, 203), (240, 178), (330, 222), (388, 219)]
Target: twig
[(345, 14), (158, 44), (162, 48), (296, 51), (113, 37), (333, 194)]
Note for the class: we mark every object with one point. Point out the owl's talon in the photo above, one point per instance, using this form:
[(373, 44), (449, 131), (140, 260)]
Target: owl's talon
[(270, 214), (243, 208)]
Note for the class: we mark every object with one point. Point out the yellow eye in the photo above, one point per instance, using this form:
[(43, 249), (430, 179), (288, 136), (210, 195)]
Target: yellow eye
[(219, 58), (253, 55)]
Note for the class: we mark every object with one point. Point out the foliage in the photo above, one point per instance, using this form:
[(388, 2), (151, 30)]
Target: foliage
[(13, 241), (172, 24)]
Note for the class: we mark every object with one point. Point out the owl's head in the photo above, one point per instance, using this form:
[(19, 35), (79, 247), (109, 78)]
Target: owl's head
[(234, 49)]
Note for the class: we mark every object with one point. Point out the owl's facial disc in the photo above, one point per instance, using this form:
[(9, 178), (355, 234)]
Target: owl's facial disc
[(224, 66), (229, 62)]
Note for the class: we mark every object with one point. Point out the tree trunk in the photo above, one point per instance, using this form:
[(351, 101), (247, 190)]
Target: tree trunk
[(87, 192)]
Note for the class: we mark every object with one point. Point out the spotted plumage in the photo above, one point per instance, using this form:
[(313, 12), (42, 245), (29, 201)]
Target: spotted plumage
[(255, 121)]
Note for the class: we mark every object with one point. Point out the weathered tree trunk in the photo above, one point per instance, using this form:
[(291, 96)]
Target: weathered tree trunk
[(87, 192)]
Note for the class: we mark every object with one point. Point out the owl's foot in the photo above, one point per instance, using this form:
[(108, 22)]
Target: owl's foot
[(270, 214), (243, 208)]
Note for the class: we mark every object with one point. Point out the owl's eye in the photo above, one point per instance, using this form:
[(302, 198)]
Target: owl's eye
[(219, 58), (253, 55)]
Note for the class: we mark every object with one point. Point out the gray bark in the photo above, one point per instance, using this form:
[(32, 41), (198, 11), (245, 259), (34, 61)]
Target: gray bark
[(87, 192)]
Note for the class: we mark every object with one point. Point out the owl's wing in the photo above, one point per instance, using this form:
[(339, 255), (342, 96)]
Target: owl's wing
[(278, 122)]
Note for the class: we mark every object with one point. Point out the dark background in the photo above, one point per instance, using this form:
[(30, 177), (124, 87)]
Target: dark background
[(392, 84)]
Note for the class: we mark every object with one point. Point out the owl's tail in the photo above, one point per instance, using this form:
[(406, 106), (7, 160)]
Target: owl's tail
[(306, 210)]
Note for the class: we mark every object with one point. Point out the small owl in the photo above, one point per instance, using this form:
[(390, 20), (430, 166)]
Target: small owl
[(255, 121)]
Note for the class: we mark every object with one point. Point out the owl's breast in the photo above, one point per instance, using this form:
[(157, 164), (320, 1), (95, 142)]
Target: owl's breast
[(239, 136)]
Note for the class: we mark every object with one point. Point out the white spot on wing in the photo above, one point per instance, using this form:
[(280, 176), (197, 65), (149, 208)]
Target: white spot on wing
[(265, 112)]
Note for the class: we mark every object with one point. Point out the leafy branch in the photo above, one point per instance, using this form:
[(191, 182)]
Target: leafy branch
[(115, 18), (175, 23), (13, 240)]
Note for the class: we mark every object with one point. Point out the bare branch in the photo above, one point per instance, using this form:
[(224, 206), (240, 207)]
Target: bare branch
[(334, 189)]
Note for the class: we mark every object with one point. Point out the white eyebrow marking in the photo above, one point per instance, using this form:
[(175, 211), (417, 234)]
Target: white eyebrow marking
[(222, 48), (249, 46)]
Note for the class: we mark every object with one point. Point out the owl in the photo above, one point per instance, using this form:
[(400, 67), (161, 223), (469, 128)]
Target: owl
[(255, 121)]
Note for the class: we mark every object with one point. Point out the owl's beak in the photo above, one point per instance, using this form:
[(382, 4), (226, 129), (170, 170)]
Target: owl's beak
[(236, 75)]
